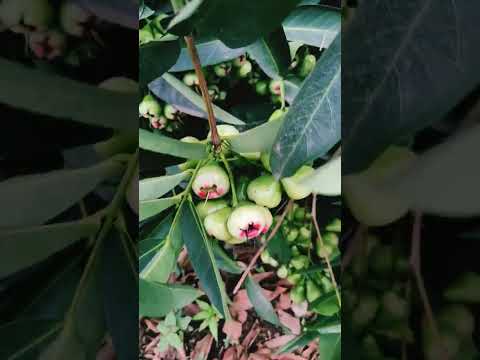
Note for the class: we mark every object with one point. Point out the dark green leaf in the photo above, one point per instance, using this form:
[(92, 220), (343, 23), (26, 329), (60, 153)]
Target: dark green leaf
[(166, 145), (260, 303), (224, 262), (402, 80), (312, 124), (158, 300), (301, 341), (279, 248), (120, 294), (210, 51), (185, 12), (272, 54), (258, 139), (326, 305), (313, 25), (149, 208), (65, 98), (202, 258), (155, 58), (292, 87), (331, 346)]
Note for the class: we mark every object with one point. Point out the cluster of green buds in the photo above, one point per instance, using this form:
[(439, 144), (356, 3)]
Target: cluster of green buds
[(161, 116), (46, 26)]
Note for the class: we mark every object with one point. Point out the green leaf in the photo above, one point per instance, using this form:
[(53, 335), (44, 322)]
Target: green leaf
[(331, 346), (430, 49), (292, 87), (25, 338), (202, 258), (301, 341), (155, 58), (327, 179), (120, 286), (279, 248), (144, 11), (260, 303), (148, 247), (224, 262), (153, 188), (175, 92), (272, 54), (313, 25), (211, 51), (149, 208), (260, 138), (239, 23), (24, 247), (165, 260), (157, 300), (185, 13), (312, 124), (165, 145), (56, 191), (65, 98), (326, 305)]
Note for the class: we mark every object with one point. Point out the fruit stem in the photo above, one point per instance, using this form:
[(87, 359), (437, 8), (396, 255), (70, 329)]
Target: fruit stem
[(192, 49), (232, 181), (246, 272), (282, 94), (327, 260)]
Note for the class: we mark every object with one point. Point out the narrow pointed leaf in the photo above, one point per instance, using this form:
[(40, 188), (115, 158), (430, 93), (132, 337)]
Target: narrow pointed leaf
[(165, 145), (262, 306), (149, 208), (260, 138), (153, 188), (155, 58)]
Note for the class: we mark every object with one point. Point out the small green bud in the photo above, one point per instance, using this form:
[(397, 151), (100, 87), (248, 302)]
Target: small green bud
[(149, 107), (334, 226), (275, 87), (307, 65), (222, 70), (305, 233), (245, 69), (299, 214), (190, 79), (313, 291), (331, 239), (300, 262), (169, 111), (261, 87), (265, 191), (292, 235), (294, 279), (297, 294), (282, 272)]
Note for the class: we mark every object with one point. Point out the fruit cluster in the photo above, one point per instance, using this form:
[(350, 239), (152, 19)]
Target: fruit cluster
[(378, 305), (48, 28)]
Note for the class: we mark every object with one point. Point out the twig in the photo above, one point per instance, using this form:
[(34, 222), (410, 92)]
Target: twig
[(327, 260), (416, 269), (262, 248), (204, 89)]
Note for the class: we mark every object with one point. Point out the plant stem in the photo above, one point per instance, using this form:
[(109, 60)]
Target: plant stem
[(232, 181), (327, 260), (212, 122), (263, 247), (282, 94)]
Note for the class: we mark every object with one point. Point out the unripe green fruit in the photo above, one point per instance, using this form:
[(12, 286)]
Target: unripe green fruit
[(381, 260), (299, 214), (170, 112), (248, 222), (313, 291), (334, 226), (74, 18), (216, 224), (295, 251), (292, 186), (294, 279), (324, 251), (330, 239), (394, 306), (205, 208), (211, 181), (282, 272), (47, 44), (307, 65), (149, 107), (466, 289), (365, 311), (265, 191), (300, 262), (265, 159), (222, 95), (458, 318), (305, 233), (261, 87), (245, 69), (292, 235), (239, 61), (275, 87), (222, 70), (190, 79), (297, 294)]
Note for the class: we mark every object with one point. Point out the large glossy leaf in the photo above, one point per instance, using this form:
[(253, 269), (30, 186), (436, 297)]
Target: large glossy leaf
[(399, 81), (279, 249), (56, 191), (155, 58), (25, 338), (210, 51), (327, 179), (185, 13), (175, 92), (313, 25), (202, 258), (260, 303), (158, 300), (21, 248), (165, 260), (331, 346), (312, 125), (119, 279), (65, 98), (166, 145), (224, 262), (149, 208), (272, 54), (154, 188), (260, 138), (239, 23)]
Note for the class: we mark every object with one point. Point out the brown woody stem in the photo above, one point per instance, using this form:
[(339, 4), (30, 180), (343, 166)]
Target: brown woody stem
[(192, 50)]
